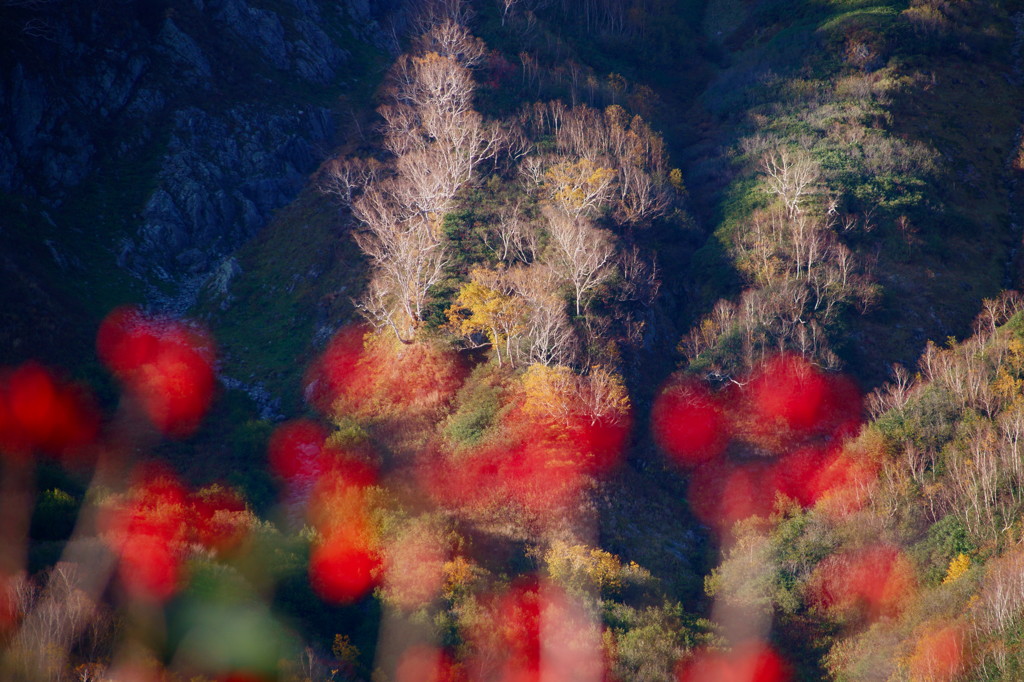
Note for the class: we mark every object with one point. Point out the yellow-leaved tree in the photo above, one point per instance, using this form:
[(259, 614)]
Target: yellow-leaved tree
[(483, 308), (580, 188), (560, 393)]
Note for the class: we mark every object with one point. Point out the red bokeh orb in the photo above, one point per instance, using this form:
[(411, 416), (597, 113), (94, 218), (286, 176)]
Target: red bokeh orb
[(690, 424), (163, 363)]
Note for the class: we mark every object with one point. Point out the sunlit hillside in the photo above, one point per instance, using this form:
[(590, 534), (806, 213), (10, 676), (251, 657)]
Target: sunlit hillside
[(511, 340)]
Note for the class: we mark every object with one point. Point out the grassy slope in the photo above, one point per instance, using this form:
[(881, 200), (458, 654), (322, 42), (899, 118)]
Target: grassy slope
[(297, 278), (300, 273), (954, 99), (972, 116), (961, 100)]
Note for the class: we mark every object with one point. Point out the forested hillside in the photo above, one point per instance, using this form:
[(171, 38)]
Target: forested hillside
[(504, 340)]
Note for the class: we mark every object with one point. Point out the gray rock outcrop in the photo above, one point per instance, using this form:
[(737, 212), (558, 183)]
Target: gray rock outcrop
[(214, 112)]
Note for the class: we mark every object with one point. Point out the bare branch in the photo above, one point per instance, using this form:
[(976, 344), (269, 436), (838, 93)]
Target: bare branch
[(581, 254), (791, 176)]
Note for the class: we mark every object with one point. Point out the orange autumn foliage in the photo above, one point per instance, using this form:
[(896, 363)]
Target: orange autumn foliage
[(869, 583), (940, 654), (369, 377)]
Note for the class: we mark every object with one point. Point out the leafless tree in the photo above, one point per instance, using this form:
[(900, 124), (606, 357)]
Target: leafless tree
[(761, 248), (438, 88), (53, 619), (532, 170), (434, 12), (790, 175), (640, 286), (506, 9), (996, 311), (550, 337), (452, 39), (581, 253), (380, 305), (517, 143), (531, 70), (437, 140), (603, 158), (705, 335), (640, 156), (893, 395), (1011, 430), (583, 133), (427, 182), (641, 197), (344, 178), (1001, 600), (514, 237), (90, 672), (640, 276), (601, 393), (410, 259)]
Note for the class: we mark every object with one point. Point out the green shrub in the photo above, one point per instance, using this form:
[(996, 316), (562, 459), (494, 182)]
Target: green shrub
[(478, 403), (945, 539)]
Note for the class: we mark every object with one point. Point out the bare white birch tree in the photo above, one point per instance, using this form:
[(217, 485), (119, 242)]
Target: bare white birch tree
[(582, 254)]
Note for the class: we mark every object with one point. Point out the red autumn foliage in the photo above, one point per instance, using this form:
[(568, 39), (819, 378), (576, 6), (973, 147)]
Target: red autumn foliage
[(40, 413), (752, 661), (790, 397), (344, 567), (218, 519), (869, 583), (744, 494), (722, 494), (519, 614), (842, 482), (299, 454), (243, 677), (532, 632), (600, 442), (532, 476), (352, 469), (795, 474), (541, 466), (789, 390), (149, 568), (338, 497), (423, 663), (163, 363), (368, 376), (153, 527), (939, 655), (787, 420), (146, 533), (338, 371), (297, 447), (8, 603), (690, 424)]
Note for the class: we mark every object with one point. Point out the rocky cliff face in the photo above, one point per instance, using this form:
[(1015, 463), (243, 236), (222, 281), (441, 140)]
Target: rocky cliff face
[(213, 111)]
